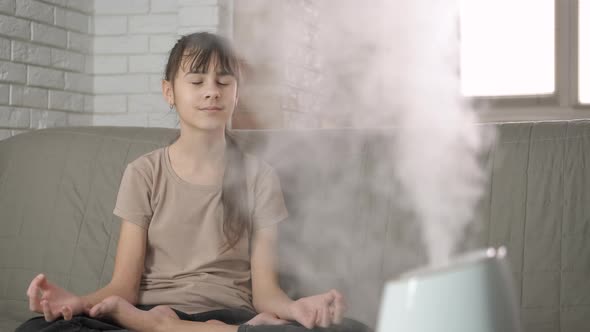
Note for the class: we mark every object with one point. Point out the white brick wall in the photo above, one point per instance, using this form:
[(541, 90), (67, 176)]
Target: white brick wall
[(122, 65), (7, 6), (153, 23), (4, 94), (72, 21), (121, 45), (78, 82), (121, 84), (153, 103), (28, 96), (147, 63), (109, 64), (70, 61), (110, 25), (13, 72), (15, 117), (202, 15), (34, 10), (110, 104), (163, 6), (30, 53), (162, 43), (118, 7), (64, 100), (93, 62), (4, 49), (79, 42), (46, 34), (48, 119), (15, 27), (44, 50)]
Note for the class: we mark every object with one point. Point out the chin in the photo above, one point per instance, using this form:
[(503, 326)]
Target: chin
[(208, 125)]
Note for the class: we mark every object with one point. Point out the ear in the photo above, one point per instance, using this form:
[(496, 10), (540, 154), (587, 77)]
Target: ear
[(168, 92)]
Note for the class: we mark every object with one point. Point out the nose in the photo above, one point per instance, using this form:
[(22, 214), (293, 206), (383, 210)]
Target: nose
[(212, 91)]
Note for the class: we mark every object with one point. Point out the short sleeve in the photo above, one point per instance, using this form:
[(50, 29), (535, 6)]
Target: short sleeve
[(133, 199), (269, 204)]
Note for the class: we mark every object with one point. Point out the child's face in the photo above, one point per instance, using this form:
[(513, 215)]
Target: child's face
[(206, 100)]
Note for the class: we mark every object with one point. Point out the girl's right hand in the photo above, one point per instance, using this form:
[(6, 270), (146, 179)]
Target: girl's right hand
[(53, 301)]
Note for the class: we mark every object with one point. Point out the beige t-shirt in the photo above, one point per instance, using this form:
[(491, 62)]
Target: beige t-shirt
[(184, 266)]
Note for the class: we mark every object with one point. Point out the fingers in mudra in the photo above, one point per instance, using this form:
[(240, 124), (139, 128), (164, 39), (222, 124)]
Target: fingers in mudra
[(34, 294), (326, 318), (321, 310), (337, 307), (51, 300), (66, 312), (49, 315)]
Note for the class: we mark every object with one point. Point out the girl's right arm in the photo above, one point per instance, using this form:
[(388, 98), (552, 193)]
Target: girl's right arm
[(129, 264), (53, 301)]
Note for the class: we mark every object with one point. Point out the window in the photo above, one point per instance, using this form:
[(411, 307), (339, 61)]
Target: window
[(584, 51), (508, 47)]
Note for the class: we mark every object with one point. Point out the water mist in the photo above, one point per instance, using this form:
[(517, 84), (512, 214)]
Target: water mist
[(386, 66)]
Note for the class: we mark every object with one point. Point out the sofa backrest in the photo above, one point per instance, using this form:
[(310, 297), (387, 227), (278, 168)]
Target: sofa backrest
[(347, 227)]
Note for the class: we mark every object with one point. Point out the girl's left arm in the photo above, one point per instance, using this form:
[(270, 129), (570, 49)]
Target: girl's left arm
[(266, 293), (318, 310)]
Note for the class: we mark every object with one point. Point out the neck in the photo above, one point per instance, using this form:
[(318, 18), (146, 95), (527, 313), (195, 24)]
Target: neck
[(200, 147)]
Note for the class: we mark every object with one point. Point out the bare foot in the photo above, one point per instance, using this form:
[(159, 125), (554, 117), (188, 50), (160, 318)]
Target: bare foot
[(111, 307), (163, 311), (128, 316), (266, 318)]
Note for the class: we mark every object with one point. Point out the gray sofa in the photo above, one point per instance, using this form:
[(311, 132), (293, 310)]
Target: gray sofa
[(347, 229)]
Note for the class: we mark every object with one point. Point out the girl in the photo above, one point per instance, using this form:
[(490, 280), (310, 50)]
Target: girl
[(199, 224)]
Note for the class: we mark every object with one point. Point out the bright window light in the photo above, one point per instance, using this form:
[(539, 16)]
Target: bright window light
[(584, 53), (507, 47)]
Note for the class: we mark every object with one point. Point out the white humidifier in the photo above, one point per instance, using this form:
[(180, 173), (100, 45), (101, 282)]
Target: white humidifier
[(474, 293)]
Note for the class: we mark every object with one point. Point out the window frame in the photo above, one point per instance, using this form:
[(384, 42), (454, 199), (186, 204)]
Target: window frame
[(576, 58)]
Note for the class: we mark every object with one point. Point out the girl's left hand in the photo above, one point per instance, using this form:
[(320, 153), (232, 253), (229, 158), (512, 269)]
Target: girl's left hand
[(320, 310)]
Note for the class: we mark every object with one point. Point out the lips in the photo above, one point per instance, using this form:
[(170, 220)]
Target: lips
[(211, 109)]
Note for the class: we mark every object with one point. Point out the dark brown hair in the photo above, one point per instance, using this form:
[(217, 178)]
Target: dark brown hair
[(194, 52)]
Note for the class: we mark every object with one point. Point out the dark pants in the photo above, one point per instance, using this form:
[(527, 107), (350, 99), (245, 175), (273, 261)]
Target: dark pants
[(84, 323), (80, 323)]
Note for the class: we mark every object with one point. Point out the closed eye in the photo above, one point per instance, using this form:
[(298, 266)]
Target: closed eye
[(196, 83)]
